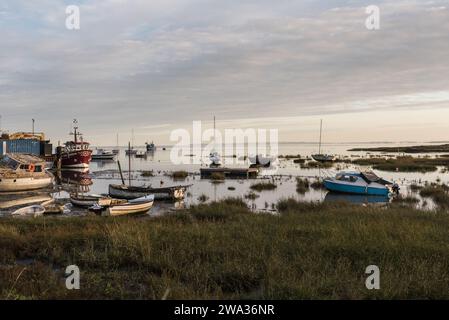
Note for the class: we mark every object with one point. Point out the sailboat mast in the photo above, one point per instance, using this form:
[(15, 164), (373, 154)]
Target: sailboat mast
[(321, 128), (129, 163), (132, 138)]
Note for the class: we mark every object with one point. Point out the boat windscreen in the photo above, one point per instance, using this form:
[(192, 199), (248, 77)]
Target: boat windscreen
[(8, 162)]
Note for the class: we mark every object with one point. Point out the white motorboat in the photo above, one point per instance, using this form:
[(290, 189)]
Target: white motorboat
[(22, 172), (103, 155)]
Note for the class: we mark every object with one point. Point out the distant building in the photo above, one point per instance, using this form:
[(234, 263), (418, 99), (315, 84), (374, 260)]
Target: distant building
[(25, 142)]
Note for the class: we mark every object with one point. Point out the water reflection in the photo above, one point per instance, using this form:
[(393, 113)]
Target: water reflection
[(355, 198), (74, 180)]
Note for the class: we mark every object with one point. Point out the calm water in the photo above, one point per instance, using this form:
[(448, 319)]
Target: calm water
[(103, 173)]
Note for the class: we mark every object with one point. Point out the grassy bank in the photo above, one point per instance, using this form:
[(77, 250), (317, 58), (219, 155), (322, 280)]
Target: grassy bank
[(221, 250), (408, 149), (402, 164)]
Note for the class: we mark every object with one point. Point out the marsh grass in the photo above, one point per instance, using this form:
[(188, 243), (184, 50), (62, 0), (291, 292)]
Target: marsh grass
[(261, 186), (149, 173), (438, 193), (179, 175), (217, 177), (402, 164), (316, 164), (302, 185), (223, 251)]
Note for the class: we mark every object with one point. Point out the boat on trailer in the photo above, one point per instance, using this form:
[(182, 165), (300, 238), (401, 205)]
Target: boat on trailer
[(131, 192), (22, 172), (366, 183)]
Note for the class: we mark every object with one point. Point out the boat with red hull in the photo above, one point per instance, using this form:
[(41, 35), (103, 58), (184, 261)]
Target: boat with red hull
[(76, 154)]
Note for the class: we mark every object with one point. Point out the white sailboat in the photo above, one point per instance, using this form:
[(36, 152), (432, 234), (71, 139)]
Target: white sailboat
[(214, 156)]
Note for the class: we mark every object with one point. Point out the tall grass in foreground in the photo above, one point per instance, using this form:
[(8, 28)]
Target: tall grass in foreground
[(222, 250)]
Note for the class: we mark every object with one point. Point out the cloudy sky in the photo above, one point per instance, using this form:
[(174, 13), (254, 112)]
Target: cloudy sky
[(157, 65)]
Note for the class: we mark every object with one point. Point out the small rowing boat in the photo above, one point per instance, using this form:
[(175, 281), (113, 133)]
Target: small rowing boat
[(136, 206), (86, 201)]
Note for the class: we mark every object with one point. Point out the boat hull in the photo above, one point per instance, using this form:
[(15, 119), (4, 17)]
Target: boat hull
[(355, 189), (24, 184), (123, 192), (33, 211), (76, 159), (322, 158), (130, 208)]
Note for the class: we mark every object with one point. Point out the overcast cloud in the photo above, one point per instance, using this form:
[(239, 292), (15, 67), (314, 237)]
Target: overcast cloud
[(158, 65)]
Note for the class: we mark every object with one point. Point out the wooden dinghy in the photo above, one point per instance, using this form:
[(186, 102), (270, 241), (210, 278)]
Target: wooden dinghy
[(30, 211), (136, 206), (131, 192), (86, 201)]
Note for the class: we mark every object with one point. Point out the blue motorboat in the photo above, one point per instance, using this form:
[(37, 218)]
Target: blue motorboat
[(366, 183)]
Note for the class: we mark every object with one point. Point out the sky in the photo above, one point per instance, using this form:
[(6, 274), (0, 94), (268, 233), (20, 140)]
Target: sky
[(155, 66)]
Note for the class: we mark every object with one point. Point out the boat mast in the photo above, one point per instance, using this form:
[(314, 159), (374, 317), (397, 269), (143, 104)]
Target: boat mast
[(214, 131), (132, 138), (321, 128), (129, 163)]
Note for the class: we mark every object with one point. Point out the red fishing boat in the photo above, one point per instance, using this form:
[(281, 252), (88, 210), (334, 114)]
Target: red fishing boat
[(76, 153)]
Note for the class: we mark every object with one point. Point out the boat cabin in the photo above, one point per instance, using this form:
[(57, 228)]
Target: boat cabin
[(22, 163)]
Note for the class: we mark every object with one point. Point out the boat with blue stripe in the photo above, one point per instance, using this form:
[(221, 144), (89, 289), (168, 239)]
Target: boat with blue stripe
[(366, 183)]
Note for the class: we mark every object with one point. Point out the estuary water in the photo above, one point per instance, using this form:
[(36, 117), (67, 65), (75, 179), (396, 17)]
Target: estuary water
[(103, 173)]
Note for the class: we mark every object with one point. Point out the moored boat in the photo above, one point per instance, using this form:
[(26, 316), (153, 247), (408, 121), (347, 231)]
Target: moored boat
[(76, 153), (366, 183), (103, 155), (141, 155), (260, 161), (150, 146), (93, 199), (131, 192), (136, 206), (22, 172), (320, 157), (323, 157), (84, 200)]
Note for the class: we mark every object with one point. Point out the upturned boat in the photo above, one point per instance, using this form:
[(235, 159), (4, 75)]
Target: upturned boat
[(131, 192), (31, 211), (22, 172), (366, 183)]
